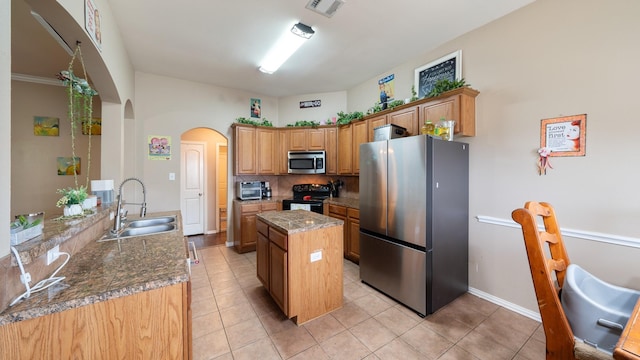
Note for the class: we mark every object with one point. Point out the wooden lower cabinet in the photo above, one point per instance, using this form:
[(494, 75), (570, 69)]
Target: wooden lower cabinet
[(244, 224), (353, 227), (303, 288), (351, 218), (153, 324)]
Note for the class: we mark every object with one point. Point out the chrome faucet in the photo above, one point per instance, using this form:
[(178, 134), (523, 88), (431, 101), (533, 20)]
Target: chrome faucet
[(119, 218)]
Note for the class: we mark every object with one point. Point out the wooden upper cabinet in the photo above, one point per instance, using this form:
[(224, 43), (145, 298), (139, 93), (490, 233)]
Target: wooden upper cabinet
[(331, 147), (255, 150), (360, 136), (374, 122), (407, 118), (458, 105), (345, 149), (315, 139), (283, 151), (267, 150), (306, 139), (297, 139), (244, 143)]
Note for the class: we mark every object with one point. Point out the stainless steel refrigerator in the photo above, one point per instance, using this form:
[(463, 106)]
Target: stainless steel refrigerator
[(414, 220)]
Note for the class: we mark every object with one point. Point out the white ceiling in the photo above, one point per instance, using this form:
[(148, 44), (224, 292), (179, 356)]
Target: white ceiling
[(222, 42)]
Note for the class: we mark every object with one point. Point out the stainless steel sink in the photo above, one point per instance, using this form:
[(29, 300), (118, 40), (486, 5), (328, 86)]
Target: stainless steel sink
[(151, 221), (142, 227), (147, 230)]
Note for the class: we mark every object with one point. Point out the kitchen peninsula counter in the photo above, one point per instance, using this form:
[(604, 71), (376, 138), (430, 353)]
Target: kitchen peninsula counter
[(299, 261), (118, 298)]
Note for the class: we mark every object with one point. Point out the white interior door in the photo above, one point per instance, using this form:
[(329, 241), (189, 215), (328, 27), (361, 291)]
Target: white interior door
[(192, 168)]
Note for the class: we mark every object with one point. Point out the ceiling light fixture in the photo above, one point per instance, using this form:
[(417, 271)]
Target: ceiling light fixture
[(285, 47)]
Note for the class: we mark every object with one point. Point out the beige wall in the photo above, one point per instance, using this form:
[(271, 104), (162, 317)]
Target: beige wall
[(34, 176), (331, 104), (549, 59), (170, 107)]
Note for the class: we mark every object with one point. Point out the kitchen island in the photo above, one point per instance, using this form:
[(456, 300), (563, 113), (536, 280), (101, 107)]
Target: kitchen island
[(118, 299), (299, 261)]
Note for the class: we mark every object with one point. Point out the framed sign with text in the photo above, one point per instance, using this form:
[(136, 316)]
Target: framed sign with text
[(564, 136), (447, 67)]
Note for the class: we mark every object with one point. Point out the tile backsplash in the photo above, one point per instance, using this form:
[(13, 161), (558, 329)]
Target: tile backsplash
[(282, 185)]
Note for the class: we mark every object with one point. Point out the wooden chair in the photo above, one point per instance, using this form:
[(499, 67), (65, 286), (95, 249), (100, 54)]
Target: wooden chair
[(560, 343)]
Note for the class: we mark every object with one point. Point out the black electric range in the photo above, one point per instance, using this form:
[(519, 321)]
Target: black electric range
[(307, 197)]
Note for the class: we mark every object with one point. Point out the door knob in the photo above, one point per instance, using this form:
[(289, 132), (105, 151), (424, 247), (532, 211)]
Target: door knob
[(199, 194)]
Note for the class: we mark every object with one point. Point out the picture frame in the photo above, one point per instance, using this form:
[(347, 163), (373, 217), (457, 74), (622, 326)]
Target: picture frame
[(46, 126), (564, 136), (67, 165), (447, 67)]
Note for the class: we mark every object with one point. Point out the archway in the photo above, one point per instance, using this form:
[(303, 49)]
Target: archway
[(213, 146)]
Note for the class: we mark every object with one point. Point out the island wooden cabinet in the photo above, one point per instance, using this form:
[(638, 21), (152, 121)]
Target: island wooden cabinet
[(351, 231), (151, 324), (302, 271), (244, 224), (255, 150)]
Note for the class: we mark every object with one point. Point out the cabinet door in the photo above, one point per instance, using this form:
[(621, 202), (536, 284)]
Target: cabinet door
[(353, 227), (407, 118), (283, 150), (374, 123), (269, 206), (266, 153), (345, 149), (360, 136), (245, 150), (278, 276), (315, 139), (446, 108), (298, 139), (244, 226), (331, 147), (262, 259), (339, 212)]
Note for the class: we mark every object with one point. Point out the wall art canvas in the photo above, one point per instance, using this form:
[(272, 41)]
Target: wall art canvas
[(93, 128), (159, 147), (256, 108), (46, 126), (66, 165)]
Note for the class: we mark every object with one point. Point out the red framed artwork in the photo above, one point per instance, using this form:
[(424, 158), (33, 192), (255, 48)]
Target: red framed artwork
[(564, 136)]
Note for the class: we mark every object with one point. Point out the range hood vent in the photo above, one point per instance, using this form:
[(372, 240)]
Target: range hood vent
[(325, 7)]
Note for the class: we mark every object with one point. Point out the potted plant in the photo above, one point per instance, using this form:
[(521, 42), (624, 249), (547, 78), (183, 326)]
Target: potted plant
[(72, 199), (80, 112)]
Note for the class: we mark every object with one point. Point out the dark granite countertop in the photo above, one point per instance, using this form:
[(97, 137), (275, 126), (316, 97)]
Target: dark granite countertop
[(111, 269), (296, 221)]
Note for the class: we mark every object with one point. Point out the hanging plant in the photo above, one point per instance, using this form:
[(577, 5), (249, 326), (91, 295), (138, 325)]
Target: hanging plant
[(80, 112)]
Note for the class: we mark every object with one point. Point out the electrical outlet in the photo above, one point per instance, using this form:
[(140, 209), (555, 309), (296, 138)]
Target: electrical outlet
[(53, 254)]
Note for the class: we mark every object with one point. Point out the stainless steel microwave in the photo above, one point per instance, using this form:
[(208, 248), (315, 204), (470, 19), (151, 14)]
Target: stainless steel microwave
[(306, 162)]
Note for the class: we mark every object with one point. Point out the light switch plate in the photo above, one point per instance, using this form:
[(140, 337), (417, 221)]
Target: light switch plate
[(53, 254), (172, 176)]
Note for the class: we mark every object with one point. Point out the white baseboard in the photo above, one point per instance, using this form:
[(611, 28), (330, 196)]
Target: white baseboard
[(505, 304), (228, 243)]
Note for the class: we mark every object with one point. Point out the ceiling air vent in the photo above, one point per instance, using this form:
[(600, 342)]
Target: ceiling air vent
[(325, 7)]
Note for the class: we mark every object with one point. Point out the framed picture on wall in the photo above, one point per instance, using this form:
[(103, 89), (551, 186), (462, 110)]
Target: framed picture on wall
[(46, 126), (564, 136), (67, 165), (447, 67)]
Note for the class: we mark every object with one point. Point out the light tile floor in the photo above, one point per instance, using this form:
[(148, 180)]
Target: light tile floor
[(234, 318)]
